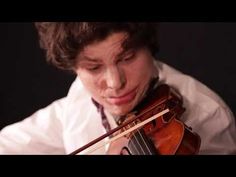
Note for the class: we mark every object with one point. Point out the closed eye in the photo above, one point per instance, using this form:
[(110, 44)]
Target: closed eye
[(93, 68), (127, 57)]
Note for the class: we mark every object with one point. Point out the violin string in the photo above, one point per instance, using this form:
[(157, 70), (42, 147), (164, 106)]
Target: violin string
[(139, 143), (134, 149), (93, 148), (133, 144), (146, 146)]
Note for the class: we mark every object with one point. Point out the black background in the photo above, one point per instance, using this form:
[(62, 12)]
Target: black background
[(205, 50)]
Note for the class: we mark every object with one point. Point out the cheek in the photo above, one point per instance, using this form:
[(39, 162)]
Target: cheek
[(140, 71)]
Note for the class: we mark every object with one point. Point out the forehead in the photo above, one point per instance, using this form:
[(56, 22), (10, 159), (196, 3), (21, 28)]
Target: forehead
[(110, 45)]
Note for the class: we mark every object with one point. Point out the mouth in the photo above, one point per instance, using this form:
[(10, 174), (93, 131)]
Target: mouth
[(124, 99)]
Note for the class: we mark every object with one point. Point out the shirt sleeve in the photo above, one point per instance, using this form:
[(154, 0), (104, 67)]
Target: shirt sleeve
[(41, 133), (219, 131)]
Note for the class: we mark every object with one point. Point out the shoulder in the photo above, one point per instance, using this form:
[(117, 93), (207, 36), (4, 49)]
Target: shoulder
[(198, 98), (206, 112), (77, 92), (59, 109), (190, 88), (78, 103)]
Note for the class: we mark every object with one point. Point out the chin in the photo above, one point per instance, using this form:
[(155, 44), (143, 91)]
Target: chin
[(120, 111)]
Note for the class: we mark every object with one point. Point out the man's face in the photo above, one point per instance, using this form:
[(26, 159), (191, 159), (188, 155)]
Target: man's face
[(115, 78)]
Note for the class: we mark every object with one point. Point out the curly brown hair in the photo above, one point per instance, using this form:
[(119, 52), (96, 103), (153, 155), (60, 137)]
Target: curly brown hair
[(64, 40)]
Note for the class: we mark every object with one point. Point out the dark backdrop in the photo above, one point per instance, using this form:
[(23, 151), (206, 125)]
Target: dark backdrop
[(203, 50)]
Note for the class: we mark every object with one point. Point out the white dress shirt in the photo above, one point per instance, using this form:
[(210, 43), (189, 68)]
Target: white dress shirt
[(73, 121)]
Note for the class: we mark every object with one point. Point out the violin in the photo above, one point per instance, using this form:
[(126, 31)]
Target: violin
[(153, 128)]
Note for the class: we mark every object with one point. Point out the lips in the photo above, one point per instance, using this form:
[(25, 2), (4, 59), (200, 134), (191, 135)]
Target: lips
[(126, 98)]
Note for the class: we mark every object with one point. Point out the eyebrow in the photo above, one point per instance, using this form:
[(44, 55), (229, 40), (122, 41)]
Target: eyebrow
[(85, 58), (124, 52)]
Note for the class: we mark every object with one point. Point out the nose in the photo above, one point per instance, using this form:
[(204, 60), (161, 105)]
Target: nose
[(115, 78)]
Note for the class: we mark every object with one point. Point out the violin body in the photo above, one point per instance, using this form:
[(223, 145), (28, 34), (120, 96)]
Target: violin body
[(183, 142), (152, 128), (166, 135)]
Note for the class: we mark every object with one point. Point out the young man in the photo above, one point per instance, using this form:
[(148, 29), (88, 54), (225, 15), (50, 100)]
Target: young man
[(115, 64)]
